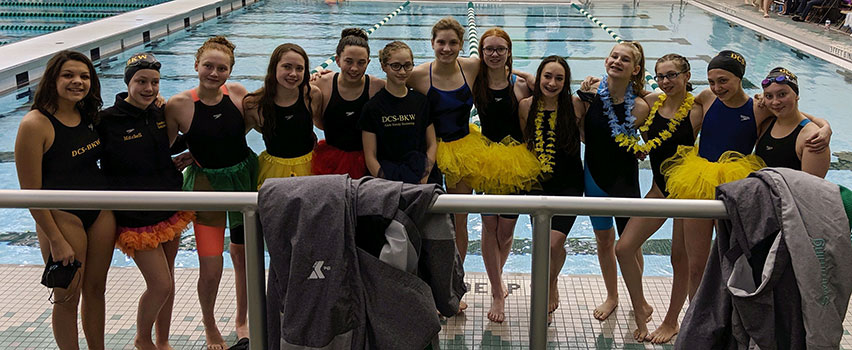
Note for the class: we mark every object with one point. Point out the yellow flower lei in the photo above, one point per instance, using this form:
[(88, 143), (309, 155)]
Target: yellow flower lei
[(545, 150), (631, 142)]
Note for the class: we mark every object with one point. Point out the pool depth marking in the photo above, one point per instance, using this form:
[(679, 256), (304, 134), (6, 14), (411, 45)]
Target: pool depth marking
[(648, 77), (372, 29)]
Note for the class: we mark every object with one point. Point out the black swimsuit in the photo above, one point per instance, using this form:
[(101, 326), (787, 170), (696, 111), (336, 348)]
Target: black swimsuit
[(71, 162), (216, 136), (340, 120), (566, 178), (293, 135), (499, 118), (681, 136), (780, 152)]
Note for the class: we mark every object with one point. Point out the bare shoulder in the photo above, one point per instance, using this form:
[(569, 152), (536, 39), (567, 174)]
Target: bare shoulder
[(652, 97), (809, 130), (180, 99), (180, 106), (237, 90), (705, 97), (471, 62), (376, 84), (525, 103), (315, 92), (35, 122)]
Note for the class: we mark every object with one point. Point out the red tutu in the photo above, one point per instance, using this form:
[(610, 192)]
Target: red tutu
[(331, 160)]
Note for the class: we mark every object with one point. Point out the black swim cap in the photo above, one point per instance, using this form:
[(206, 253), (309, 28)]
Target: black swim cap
[(729, 61), (781, 75), (140, 61)]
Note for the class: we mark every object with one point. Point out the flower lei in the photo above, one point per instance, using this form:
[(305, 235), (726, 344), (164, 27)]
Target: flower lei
[(626, 130), (632, 142), (545, 150)]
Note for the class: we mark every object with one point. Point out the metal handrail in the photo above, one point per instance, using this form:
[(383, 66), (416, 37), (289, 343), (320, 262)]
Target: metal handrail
[(540, 208)]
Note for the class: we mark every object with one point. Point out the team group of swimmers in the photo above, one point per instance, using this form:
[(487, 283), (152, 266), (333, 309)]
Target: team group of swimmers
[(412, 126)]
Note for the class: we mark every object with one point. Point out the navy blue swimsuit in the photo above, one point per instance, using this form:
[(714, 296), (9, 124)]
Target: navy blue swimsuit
[(450, 109)]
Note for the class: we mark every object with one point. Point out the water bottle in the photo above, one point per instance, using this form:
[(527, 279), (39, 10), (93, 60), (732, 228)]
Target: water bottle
[(827, 24)]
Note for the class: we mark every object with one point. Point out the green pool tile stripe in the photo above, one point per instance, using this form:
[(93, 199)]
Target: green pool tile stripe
[(372, 29), (648, 77), (56, 14)]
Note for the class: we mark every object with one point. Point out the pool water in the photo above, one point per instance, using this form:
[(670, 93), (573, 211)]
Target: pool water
[(537, 31), (23, 20)]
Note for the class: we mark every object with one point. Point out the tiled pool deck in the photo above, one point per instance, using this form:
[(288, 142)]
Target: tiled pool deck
[(25, 313)]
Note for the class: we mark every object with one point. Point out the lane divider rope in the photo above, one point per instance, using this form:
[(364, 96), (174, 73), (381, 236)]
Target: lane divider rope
[(648, 77), (473, 41), (473, 47), (372, 29)]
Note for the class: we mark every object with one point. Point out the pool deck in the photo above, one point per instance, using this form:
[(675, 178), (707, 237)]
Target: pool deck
[(25, 318), (831, 45)]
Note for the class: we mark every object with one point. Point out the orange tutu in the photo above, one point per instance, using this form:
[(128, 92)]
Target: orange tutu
[(131, 239)]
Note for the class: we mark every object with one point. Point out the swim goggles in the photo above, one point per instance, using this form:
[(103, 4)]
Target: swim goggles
[(781, 79)]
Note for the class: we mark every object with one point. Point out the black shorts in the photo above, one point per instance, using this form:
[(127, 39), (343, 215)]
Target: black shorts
[(88, 217), (238, 235), (561, 223)]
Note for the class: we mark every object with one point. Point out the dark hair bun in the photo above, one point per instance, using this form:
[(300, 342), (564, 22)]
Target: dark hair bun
[(354, 31)]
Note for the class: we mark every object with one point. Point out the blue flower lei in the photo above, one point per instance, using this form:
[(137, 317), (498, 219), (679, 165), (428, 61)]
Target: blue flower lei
[(629, 126)]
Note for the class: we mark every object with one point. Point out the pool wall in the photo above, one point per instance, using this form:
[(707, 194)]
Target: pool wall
[(22, 63), (833, 51)]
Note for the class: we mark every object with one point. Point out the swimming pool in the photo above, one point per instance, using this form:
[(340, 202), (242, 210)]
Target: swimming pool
[(537, 31), (21, 20)]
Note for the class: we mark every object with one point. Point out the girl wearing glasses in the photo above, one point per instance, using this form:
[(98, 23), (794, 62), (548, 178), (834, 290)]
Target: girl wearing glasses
[(611, 117), (398, 136), (496, 92), (729, 132), (673, 121), (782, 143), (282, 110), (344, 95)]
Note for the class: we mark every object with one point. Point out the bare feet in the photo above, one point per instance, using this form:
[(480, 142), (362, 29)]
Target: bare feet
[(604, 310), (497, 313), (165, 347), (664, 333), (642, 317), (641, 333), (214, 339), (765, 15), (462, 306), (553, 302)]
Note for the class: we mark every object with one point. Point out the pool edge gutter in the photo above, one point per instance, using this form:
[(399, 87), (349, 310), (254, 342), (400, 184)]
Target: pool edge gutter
[(836, 53), (22, 63)]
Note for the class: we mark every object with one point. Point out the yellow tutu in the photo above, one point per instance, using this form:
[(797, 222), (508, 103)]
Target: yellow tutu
[(509, 167), (690, 176), (272, 166), (461, 160)]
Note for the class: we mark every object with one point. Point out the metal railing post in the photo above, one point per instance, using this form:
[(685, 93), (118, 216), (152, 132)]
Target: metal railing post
[(540, 280), (255, 281)]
